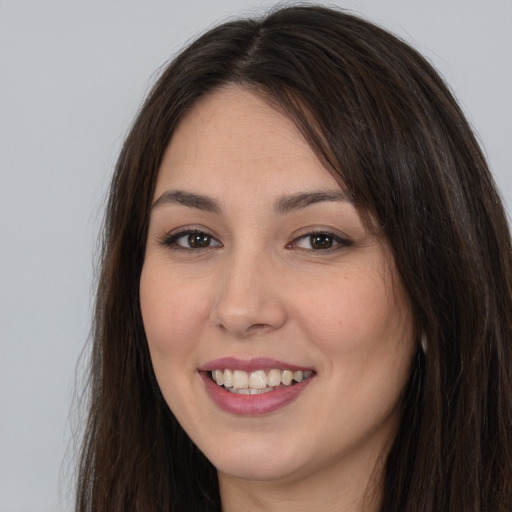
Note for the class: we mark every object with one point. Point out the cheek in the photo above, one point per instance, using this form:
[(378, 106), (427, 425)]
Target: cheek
[(365, 330), (355, 316), (172, 312)]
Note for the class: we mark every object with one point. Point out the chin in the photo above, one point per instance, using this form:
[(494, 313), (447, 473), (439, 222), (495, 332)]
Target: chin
[(258, 463), (256, 470)]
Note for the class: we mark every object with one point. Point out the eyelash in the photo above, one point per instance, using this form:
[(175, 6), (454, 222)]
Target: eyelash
[(336, 242), (171, 240)]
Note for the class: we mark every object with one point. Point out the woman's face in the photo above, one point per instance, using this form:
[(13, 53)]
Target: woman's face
[(259, 270)]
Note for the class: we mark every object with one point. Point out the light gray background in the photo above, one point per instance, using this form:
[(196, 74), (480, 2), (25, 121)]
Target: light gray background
[(72, 74)]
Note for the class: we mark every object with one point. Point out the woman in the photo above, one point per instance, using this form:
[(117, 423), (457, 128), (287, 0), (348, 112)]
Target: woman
[(305, 288)]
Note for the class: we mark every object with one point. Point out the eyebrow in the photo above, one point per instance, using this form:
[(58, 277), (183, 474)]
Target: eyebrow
[(302, 200), (187, 199), (284, 204)]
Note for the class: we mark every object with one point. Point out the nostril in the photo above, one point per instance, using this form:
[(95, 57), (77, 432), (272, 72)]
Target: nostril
[(258, 328)]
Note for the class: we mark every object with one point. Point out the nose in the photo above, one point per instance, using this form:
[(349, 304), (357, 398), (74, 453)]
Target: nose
[(250, 297)]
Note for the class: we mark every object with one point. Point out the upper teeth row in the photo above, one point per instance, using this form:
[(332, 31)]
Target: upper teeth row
[(259, 379)]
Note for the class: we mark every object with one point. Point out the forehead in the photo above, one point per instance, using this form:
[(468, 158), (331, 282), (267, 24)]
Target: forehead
[(234, 137)]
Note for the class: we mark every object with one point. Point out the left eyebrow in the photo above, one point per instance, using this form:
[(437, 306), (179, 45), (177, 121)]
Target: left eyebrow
[(299, 201)]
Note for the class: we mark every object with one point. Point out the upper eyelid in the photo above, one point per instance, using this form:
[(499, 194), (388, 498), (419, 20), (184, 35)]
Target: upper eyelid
[(169, 238), (311, 230), (192, 228)]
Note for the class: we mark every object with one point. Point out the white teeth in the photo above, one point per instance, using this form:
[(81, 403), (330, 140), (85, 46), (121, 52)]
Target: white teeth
[(227, 378), (259, 381), (218, 377), (287, 377), (249, 391), (240, 379), (274, 378)]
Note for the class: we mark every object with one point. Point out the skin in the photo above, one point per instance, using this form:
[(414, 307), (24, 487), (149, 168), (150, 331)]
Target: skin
[(260, 289)]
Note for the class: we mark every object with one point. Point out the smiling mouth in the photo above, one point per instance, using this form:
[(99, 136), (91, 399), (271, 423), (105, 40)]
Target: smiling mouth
[(259, 381)]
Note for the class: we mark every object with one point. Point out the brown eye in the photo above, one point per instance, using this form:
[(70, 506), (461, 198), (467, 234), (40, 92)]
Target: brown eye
[(190, 240), (198, 240), (321, 241)]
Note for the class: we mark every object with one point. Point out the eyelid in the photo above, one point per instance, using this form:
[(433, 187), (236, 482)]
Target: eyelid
[(340, 238), (169, 239)]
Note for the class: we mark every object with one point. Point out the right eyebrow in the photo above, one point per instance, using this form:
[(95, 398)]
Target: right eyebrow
[(187, 199)]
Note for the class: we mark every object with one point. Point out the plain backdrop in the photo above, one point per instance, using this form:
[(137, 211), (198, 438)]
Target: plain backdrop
[(72, 75)]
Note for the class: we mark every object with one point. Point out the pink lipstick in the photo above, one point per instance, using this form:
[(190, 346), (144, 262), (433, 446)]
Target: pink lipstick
[(250, 376)]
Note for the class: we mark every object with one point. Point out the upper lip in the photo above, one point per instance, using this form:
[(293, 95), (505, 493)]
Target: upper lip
[(250, 365)]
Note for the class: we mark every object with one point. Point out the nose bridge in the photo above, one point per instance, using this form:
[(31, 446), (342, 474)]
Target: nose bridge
[(247, 299)]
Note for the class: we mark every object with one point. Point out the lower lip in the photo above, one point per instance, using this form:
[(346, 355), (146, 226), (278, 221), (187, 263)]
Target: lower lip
[(253, 405)]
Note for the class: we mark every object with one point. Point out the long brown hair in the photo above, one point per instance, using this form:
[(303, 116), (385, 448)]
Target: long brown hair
[(385, 124)]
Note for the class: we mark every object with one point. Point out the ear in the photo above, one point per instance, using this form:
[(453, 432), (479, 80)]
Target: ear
[(423, 343)]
